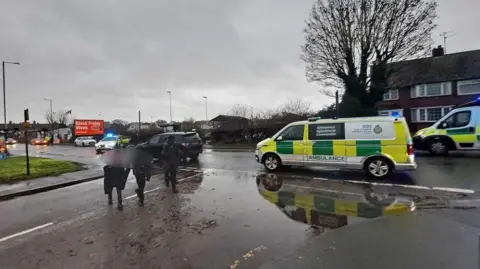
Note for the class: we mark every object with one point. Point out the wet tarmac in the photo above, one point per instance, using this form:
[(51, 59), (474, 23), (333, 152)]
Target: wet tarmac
[(232, 214), (456, 171)]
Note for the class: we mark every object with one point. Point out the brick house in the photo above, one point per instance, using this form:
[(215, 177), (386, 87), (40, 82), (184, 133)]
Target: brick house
[(423, 90)]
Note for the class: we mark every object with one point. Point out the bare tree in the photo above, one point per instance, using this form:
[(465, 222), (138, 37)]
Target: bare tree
[(50, 117), (61, 117), (299, 107), (345, 38), (189, 120), (120, 122), (241, 111)]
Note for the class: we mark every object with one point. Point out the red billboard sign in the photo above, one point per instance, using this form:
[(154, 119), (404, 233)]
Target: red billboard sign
[(89, 127)]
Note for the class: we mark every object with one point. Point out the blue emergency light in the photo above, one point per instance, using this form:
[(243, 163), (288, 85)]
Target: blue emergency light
[(395, 114), (109, 135)]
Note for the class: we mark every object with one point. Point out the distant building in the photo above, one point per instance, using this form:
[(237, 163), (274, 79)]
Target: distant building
[(230, 123), (133, 127), (424, 90)]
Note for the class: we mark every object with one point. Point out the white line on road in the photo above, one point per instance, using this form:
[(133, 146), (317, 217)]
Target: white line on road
[(25, 232), (456, 190)]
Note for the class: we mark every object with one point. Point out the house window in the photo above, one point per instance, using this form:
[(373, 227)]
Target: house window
[(432, 89), (391, 95), (467, 87), (391, 112), (428, 114)]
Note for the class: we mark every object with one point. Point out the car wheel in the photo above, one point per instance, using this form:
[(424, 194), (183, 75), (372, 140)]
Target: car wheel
[(437, 147), (378, 167), (194, 157), (83, 144), (75, 144), (272, 162)]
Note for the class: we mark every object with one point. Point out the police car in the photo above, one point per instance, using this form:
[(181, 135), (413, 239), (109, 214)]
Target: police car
[(377, 145), (458, 130)]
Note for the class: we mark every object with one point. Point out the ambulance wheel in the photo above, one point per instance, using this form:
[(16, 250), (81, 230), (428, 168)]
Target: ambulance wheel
[(437, 147), (378, 167), (272, 162)]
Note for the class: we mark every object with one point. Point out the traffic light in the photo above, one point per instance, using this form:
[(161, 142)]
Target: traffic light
[(25, 115)]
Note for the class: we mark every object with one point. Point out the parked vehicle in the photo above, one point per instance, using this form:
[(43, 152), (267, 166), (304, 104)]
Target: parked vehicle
[(190, 140), (85, 141), (377, 145), (458, 130), (11, 141), (40, 141)]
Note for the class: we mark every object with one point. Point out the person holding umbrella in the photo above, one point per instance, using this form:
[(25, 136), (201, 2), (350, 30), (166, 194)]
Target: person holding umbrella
[(172, 154)]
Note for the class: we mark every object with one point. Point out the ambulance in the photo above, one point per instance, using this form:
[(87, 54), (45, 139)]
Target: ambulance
[(376, 145), (458, 130)]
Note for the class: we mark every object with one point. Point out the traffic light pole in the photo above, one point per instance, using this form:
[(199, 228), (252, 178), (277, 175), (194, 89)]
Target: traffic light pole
[(26, 125)]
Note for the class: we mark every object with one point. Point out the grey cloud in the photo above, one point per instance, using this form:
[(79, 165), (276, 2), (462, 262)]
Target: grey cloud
[(118, 57)]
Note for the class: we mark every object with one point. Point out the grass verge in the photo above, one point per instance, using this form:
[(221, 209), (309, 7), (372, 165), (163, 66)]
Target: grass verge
[(13, 169)]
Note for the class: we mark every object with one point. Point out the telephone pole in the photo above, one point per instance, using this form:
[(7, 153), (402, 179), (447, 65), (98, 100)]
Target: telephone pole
[(445, 36), (170, 97)]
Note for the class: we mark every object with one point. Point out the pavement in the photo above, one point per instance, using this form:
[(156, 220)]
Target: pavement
[(224, 218)]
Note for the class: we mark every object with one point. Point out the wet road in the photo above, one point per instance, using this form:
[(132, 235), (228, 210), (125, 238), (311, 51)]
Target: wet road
[(457, 171), (229, 214)]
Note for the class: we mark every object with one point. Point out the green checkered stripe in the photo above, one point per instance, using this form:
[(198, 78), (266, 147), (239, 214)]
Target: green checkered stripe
[(327, 205), (327, 147), (362, 147)]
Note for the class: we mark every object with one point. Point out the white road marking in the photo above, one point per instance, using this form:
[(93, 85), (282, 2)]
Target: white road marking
[(157, 188), (456, 190), (26, 231)]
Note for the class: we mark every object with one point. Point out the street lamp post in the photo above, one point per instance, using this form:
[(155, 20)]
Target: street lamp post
[(206, 113), (4, 92), (170, 96)]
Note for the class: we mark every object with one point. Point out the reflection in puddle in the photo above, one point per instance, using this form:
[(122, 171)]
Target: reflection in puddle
[(329, 205)]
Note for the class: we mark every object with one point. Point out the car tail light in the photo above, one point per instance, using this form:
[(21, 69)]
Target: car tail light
[(185, 144), (196, 142), (409, 149)]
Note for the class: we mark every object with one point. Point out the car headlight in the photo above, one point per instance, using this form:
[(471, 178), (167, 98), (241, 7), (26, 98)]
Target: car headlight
[(420, 133)]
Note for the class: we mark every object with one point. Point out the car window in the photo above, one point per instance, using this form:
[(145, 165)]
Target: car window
[(326, 131), (155, 140), (192, 137), (459, 119), (293, 133), (113, 138)]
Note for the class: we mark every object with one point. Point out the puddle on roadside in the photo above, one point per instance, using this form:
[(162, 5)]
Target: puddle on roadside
[(326, 206)]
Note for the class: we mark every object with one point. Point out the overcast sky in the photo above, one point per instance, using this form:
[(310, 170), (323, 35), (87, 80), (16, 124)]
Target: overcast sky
[(114, 58)]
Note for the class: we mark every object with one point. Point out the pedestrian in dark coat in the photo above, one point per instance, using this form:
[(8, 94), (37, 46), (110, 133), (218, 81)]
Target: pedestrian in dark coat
[(142, 174), (115, 177), (172, 154)]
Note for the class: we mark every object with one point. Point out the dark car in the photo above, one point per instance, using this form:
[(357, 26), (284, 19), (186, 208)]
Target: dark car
[(190, 140)]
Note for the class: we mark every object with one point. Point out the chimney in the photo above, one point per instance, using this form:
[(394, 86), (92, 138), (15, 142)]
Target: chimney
[(438, 51)]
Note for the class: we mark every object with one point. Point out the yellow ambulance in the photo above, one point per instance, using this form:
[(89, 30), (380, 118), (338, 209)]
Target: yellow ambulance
[(458, 130), (377, 145)]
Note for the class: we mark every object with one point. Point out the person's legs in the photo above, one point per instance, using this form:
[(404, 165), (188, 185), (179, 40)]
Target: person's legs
[(166, 177), (119, 197), (173, 179), (141, 186), (110, 199)]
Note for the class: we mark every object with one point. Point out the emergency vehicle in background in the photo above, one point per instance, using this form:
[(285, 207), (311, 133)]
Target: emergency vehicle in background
[(377, 145), (458, 130)]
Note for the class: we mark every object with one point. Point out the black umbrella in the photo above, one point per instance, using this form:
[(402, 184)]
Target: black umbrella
[(127, 157)]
